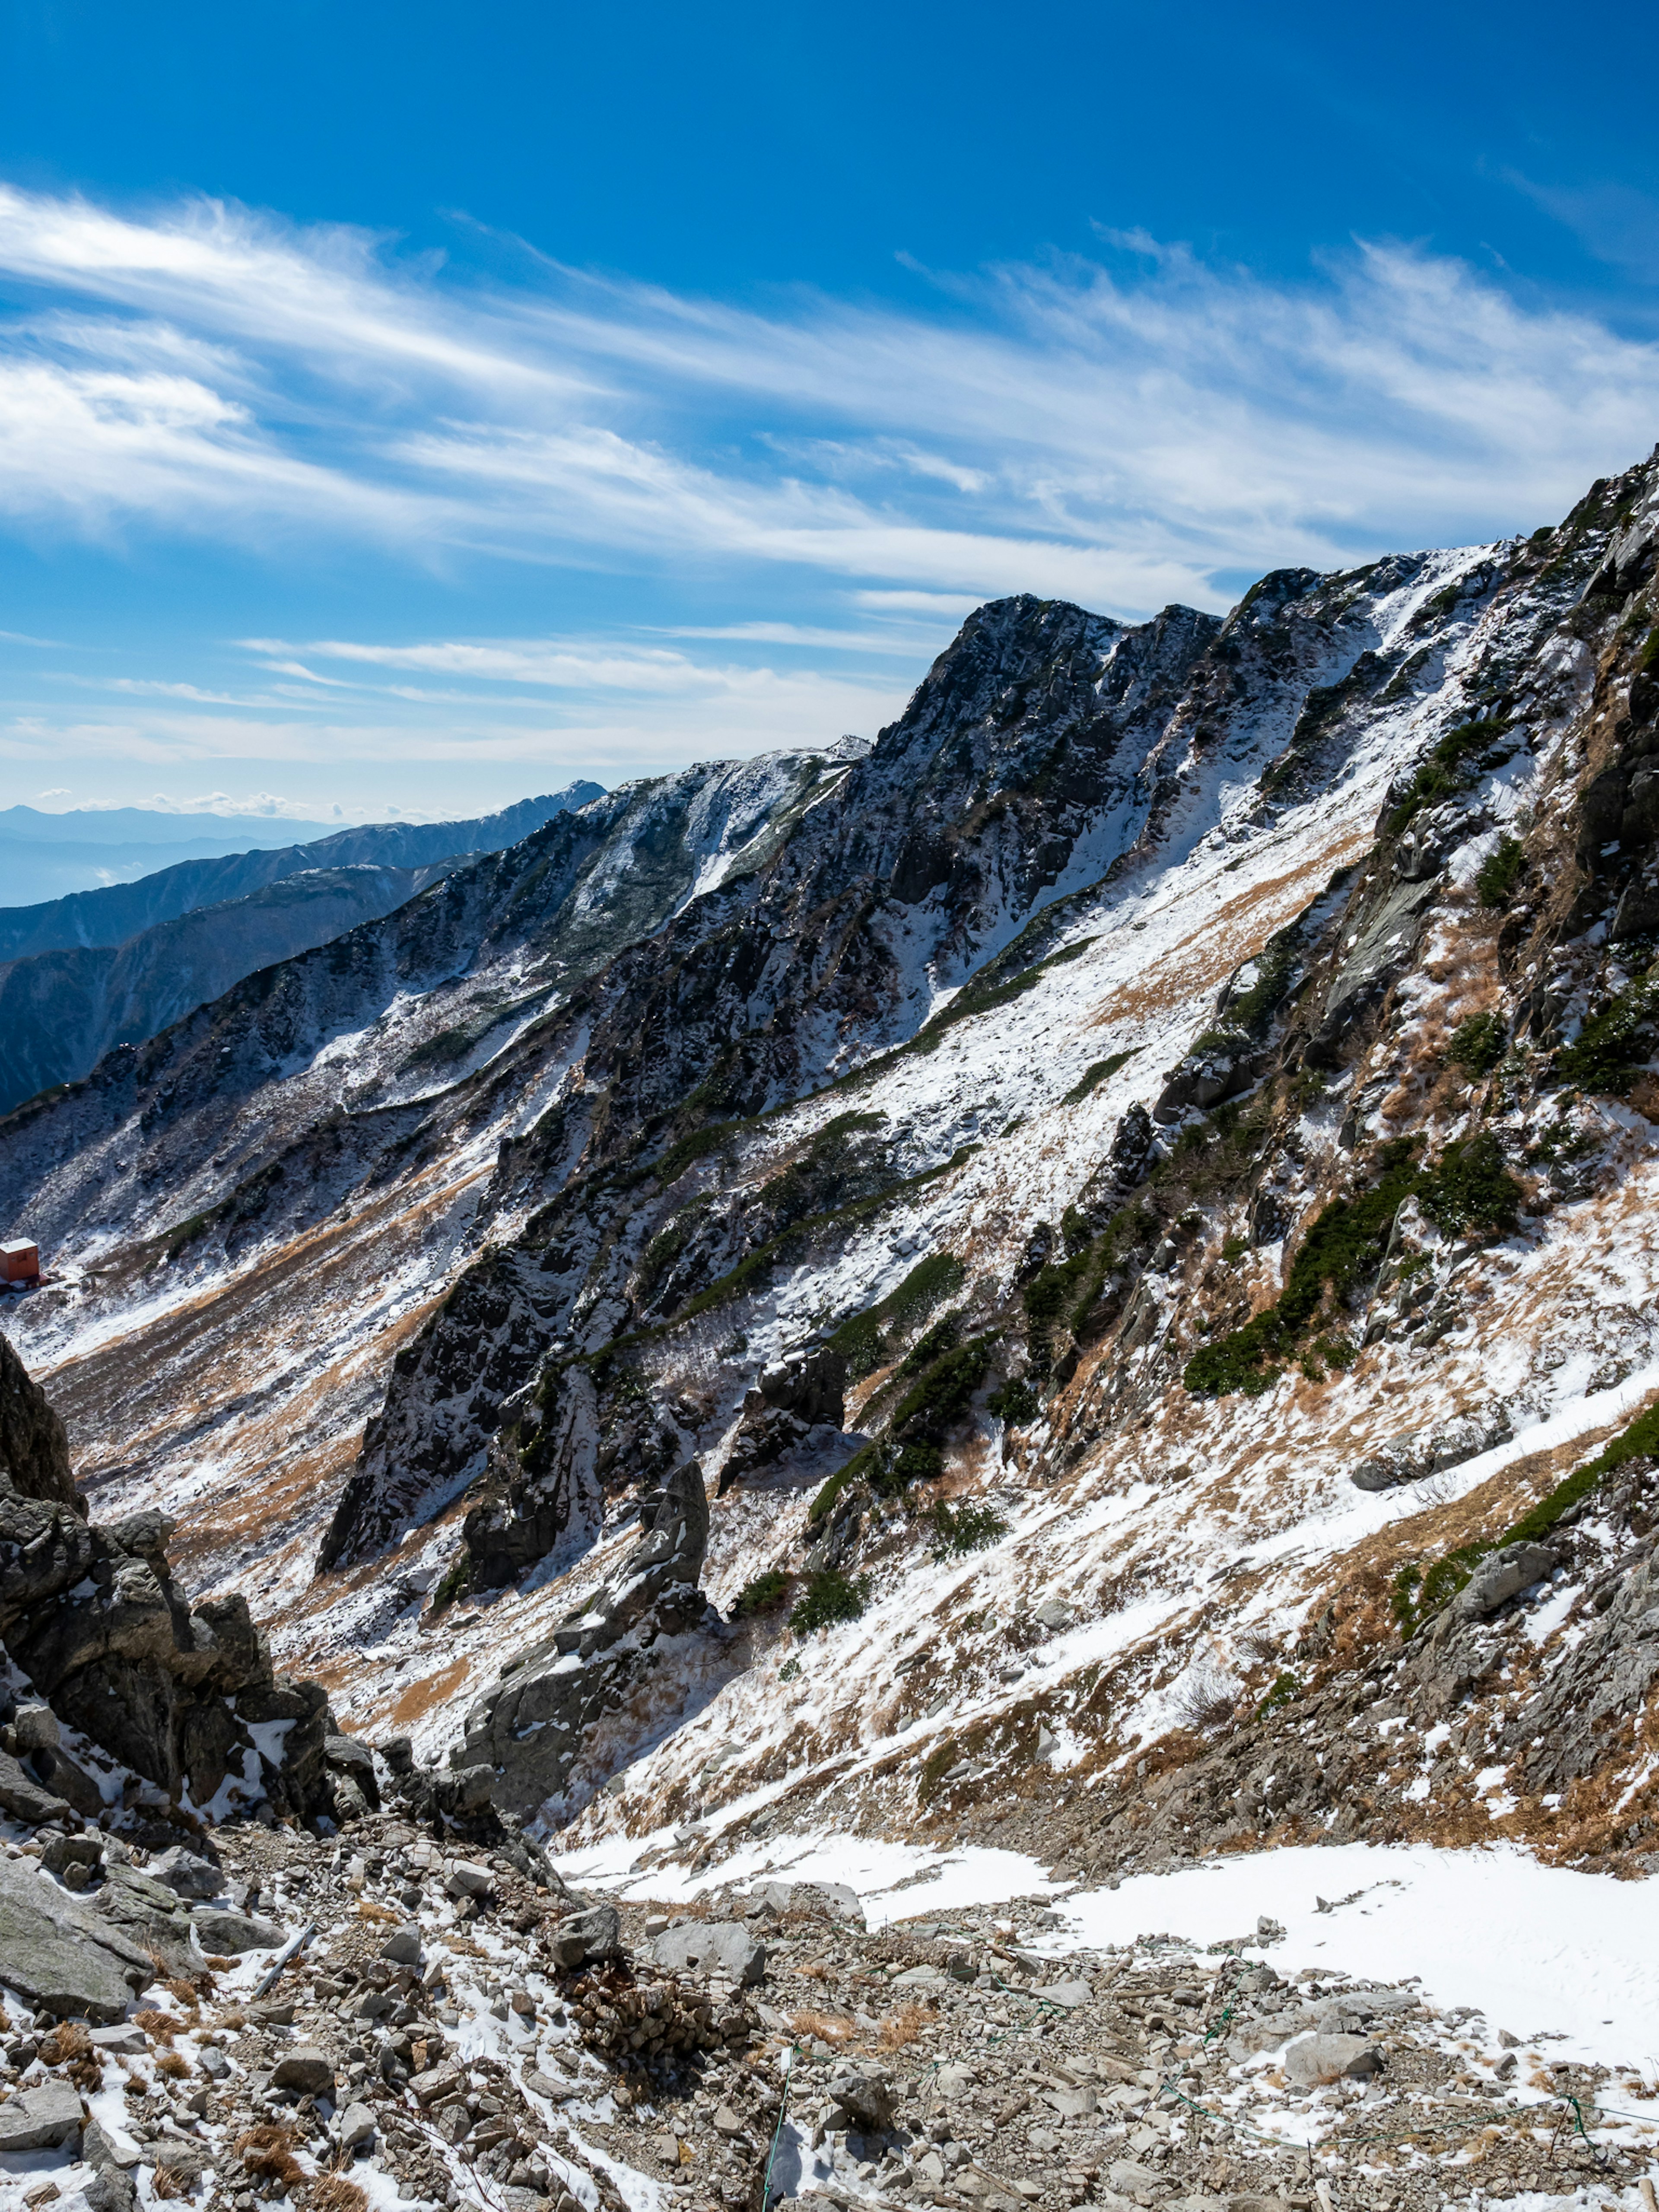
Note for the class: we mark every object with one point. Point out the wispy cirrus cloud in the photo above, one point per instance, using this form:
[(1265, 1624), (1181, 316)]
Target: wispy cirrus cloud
[(1121, 434), (781, 509)]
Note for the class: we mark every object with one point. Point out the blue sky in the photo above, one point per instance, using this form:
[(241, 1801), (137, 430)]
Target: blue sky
[(406, 408)]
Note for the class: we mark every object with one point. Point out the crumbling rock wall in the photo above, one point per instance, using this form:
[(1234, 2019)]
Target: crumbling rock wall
[(91, 1613)]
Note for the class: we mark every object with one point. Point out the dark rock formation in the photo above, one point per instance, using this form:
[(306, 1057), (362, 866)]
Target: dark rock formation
[(525, 1738), (91, 1614)]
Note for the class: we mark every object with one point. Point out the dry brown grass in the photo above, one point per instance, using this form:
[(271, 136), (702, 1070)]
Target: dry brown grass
[(174, 2065), (171, 2181), (68, 2040), (332, 2192), (268, 2150), (367, 1909), (828, 2026), (903, 2027), (156, 2025), (422, 1697)]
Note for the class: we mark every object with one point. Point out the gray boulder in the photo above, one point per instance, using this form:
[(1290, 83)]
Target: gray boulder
[(356, 2127), (186, 1875), (403, 1946), (1315, 2059), (21, 1795), (222, 1933), (306, 2071), (527, 1735), (44, 2118), (59, 1954), (711, 1946), (1500, 1577), (864, 2100), (586, 1937), (147, 1913)]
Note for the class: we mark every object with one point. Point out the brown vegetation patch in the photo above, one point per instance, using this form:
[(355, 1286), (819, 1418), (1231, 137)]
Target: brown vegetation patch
[(425, 1696)]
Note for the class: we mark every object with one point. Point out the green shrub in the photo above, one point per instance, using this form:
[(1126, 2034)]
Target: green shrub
[(1286, 1687), (944, 1336), (1017, 1403), (1252, 1009), (943, 1392), (828, 1598), (1471, 1189), (1499, 872), (1477, 1045), (764, 1595), (1446, 771), (1233, 1248), (1611, 1049), (1348, 1239), (861, 1341), (888, 1467), (1097, 1073), (969, 1528)]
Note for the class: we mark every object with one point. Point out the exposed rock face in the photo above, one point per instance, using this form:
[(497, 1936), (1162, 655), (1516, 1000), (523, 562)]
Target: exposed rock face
[(92, 1615), (62, 1954), (527, 1737), (33, 1450)]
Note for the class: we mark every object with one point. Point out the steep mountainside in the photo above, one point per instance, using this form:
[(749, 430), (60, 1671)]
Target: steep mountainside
[(1083, 1275), (120, 911)]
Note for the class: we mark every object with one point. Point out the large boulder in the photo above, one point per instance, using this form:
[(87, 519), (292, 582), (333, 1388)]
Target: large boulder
[(527, 1734), (44, 2116), (61, 1954), (711, 1946), (1502, 1577)]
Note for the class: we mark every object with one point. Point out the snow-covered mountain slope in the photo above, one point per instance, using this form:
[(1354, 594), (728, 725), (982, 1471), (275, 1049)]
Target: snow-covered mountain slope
[(1124, 1197)]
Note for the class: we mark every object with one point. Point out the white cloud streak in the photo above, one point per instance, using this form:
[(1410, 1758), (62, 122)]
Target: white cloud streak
[(1064, 430)]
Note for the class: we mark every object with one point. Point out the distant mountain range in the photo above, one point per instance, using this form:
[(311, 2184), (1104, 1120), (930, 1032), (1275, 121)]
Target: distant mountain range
[(112, 914), (116, 966), (49, 856)]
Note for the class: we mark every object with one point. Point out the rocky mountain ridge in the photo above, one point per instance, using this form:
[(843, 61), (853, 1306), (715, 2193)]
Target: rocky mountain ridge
[(1079, 1275)]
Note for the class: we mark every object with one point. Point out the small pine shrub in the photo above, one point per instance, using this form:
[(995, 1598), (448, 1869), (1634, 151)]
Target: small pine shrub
[(1477, 1045), (1097, 1073), (1499, 874), (1344, 1242), (765, 1594), (828, 1599), (944, 1336), (1471, 1189), (943, 1392), (1284, 1689), (1017, 1403), (861, 1341), (1612, 1047), (971, 1528), (1233, 1248), (1447, 771)]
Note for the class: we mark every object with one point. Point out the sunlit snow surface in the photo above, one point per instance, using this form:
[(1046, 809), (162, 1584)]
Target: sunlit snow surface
[(1541, 1951)]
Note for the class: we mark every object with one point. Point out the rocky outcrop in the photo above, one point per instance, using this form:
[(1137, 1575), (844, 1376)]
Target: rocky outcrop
[(525, 1742), (90, 1613)]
